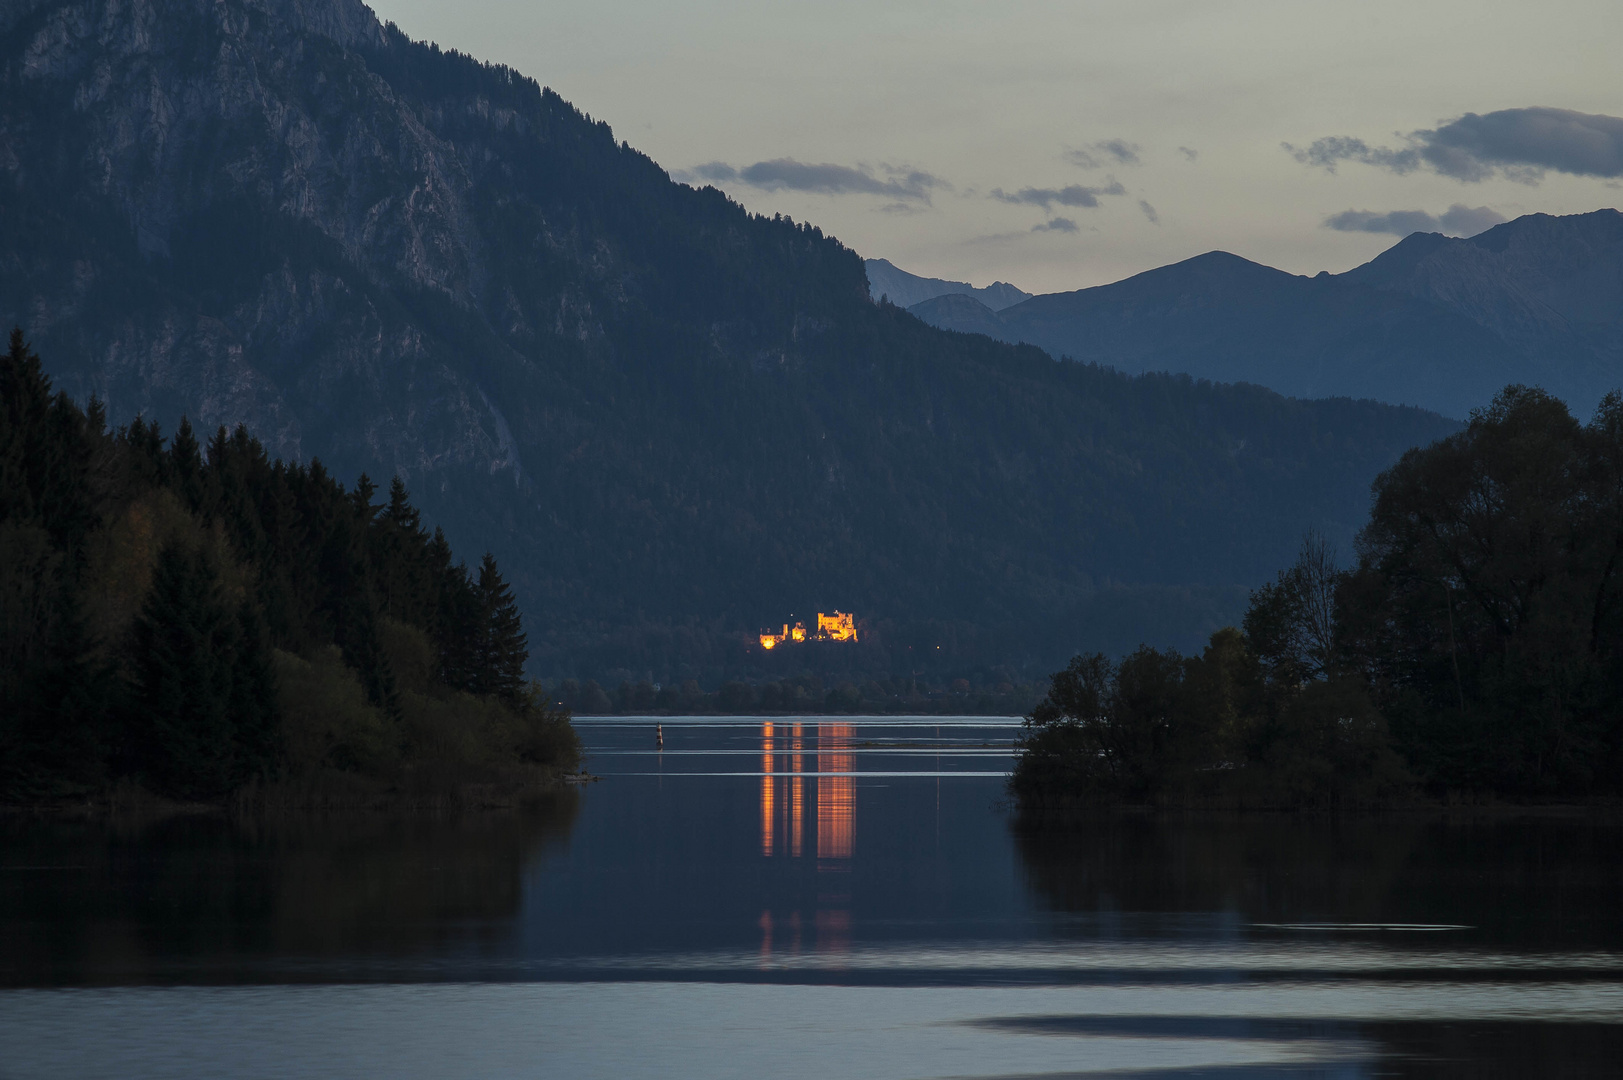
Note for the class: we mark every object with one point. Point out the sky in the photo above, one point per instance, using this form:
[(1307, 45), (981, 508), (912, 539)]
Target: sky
[(1057, 145)]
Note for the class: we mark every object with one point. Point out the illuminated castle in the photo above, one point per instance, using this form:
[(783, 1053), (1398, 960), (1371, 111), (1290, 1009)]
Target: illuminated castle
[(839, 626)]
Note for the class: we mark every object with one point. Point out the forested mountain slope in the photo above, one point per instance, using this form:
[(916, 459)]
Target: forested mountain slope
[(1435, 321), (671, 420)]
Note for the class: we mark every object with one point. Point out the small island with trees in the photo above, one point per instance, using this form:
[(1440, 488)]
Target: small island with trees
[(201, 624), (1472, 653)]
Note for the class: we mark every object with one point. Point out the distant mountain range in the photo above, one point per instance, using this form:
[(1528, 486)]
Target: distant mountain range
[(671, 420), (885, 281), (1434, 321)]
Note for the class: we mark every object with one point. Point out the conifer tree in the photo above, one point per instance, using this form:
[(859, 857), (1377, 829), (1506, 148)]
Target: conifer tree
[(185, 639), (73, 696), (24, 403), (186, 466), (400, 511), (144, 457), (253, 697), (502, 645), (456, 618)]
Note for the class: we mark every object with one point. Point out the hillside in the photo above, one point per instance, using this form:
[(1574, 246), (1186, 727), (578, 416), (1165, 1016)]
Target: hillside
[(672, 421), (1437, 322)]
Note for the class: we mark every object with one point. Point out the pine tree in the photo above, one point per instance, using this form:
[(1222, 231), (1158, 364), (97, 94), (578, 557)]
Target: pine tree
[(143, 454), (456, 618), (185, 467), (254, 709), (185, 639), (25, 399), (400, 511), (74, 693), (363, 651), (501, 644)]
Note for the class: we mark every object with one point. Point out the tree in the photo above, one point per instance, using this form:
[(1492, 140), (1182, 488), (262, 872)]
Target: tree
[(1291, 622), (25, 395), (1483, 607), (500, 648), (253, 705), (185, 467)]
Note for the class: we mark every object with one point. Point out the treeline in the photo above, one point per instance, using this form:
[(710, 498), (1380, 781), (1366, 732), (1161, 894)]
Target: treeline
[(801, 695), (1473, 651), (196, 618)]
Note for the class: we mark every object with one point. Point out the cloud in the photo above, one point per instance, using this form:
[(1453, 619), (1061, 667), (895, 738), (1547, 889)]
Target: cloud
[(787, 174), (1330, 152), (717, 172), (1070, 195), (1457, 220), (1149, 212), (1107, 152), (1189, 154), (1059, 224), (1519, 144)]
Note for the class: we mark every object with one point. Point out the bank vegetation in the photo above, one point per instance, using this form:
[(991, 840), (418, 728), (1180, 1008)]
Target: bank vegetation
[(1472, 651), (202, 624)]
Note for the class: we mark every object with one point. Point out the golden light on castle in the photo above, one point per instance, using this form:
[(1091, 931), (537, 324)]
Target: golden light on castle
[(840, 626)]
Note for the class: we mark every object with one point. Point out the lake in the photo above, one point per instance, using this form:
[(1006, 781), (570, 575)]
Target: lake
[(828, 897)]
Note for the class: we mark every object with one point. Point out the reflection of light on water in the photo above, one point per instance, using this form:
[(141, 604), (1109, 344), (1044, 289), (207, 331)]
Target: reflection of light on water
[(833, 931), (836, 795), (797, 795), (768, 792)]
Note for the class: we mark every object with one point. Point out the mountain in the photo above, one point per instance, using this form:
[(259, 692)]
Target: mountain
[(1434, 321), (905, 290), (1551, 287), (671, 420)]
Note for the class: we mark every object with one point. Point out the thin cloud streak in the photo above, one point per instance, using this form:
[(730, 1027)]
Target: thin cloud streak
[(787, 174), (1106, 152), (1070, 195)]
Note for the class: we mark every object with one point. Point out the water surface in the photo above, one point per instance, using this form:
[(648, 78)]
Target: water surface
[(810, 897)]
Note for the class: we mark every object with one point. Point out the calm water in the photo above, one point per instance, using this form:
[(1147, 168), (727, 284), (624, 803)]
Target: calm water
[(831, 899)]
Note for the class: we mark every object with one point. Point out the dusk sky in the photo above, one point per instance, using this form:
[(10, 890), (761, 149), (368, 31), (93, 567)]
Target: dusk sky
[(1058, 145)]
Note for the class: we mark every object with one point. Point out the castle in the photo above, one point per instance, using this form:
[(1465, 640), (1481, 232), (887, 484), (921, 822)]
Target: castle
[(840, 626)]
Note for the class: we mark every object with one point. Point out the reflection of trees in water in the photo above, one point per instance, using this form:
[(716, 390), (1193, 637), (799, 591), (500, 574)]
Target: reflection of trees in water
[(192, 896), (1521, 880)]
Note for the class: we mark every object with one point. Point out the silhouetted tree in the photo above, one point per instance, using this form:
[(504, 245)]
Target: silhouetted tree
[(500, 644)]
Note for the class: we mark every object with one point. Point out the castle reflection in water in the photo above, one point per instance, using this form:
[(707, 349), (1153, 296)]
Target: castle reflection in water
[(788, 805), (784, 794)]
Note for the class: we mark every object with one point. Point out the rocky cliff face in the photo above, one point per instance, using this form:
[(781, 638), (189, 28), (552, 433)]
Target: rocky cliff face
[(181, 124), (670, 419)]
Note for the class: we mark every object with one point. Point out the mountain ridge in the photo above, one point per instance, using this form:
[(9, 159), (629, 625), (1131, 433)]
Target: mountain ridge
[(1434, 321), (887, 281)]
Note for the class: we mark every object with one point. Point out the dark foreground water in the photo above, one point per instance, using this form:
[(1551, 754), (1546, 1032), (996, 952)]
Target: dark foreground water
[(818, 899)]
